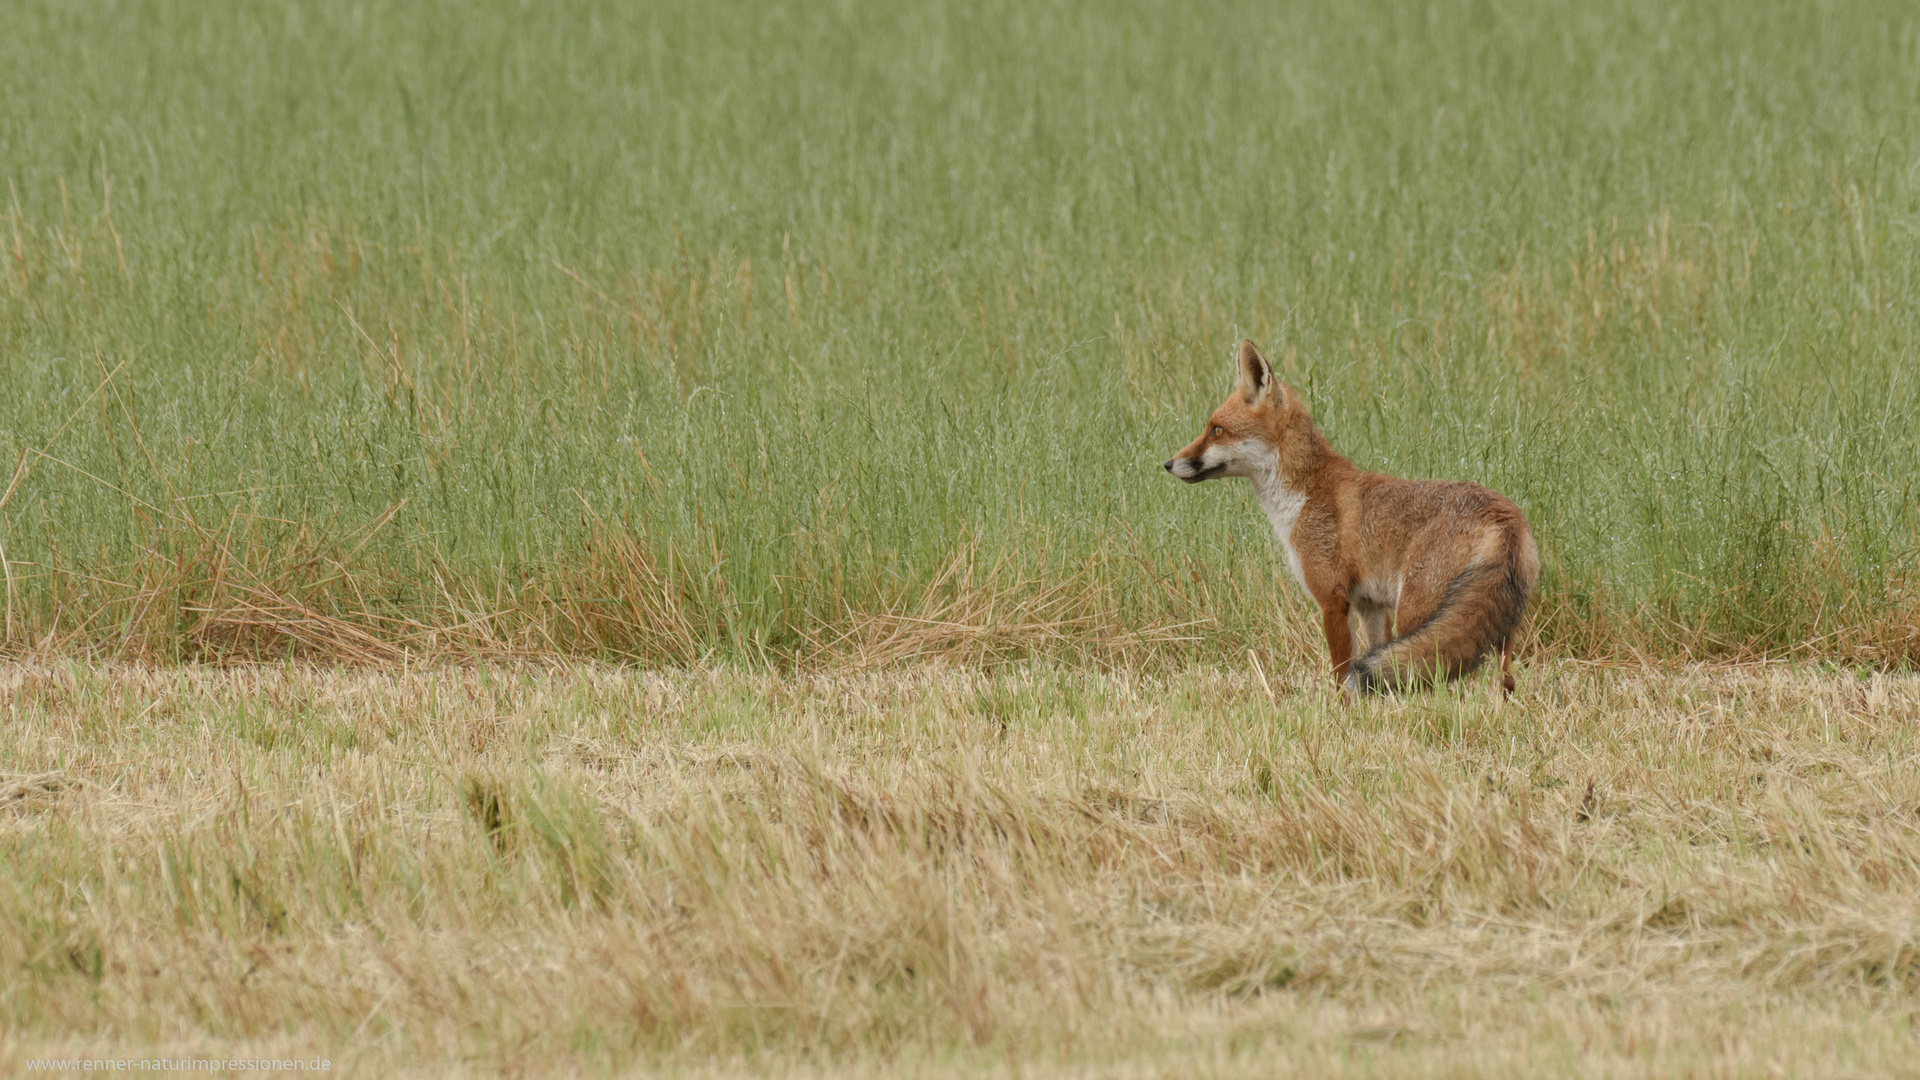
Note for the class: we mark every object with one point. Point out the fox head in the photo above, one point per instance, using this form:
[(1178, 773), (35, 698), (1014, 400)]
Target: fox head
[(1245, 435)]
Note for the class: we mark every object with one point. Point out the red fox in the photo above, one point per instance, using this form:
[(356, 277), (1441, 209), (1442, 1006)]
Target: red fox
[(1448, 565)]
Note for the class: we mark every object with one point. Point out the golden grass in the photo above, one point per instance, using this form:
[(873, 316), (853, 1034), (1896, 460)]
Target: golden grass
[(933, 870)]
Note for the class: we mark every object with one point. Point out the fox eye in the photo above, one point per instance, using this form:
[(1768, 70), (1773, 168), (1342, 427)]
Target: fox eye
[(1216, 432)]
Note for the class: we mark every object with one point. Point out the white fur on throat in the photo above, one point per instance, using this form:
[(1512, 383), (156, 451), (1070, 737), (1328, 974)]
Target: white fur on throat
[(1282, 505), (1258, 461)]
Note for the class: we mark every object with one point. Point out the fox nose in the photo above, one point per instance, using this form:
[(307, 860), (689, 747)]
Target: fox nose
[(1167, 465)]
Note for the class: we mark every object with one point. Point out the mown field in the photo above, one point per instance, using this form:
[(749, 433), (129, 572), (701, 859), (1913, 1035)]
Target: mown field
[(944, 872), (605, 538), (779, 333)]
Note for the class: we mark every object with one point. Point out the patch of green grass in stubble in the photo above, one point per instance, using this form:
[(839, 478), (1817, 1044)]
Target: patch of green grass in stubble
[(688, 330)]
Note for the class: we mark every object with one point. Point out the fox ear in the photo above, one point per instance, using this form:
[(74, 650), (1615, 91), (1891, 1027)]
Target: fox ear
[(1256, 375)]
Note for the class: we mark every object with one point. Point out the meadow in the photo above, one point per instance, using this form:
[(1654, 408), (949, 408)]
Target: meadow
[(765, 333), (595, 538)]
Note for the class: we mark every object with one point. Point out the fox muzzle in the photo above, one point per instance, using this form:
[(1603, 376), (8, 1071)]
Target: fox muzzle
[(1193, 471)]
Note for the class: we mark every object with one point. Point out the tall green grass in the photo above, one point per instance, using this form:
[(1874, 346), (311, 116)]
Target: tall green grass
[(783, 331)]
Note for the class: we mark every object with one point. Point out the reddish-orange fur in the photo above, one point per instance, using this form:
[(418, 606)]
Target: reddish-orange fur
[(1438, 572)]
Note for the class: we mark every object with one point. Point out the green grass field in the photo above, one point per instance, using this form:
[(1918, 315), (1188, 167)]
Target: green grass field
[(774, 332), (600, 539)]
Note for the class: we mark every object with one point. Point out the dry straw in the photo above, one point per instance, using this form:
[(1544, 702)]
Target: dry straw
[(1628, 872)]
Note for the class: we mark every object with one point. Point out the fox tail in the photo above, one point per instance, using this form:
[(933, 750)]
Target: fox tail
[(1477, 614)]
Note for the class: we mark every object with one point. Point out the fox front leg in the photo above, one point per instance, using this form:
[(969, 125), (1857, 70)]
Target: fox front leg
[(1338, 627)]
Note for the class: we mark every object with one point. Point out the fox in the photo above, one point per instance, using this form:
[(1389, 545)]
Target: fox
[(1436, 573)]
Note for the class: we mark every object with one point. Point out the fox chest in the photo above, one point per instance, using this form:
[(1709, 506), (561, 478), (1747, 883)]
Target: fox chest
[(1283, 512)]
